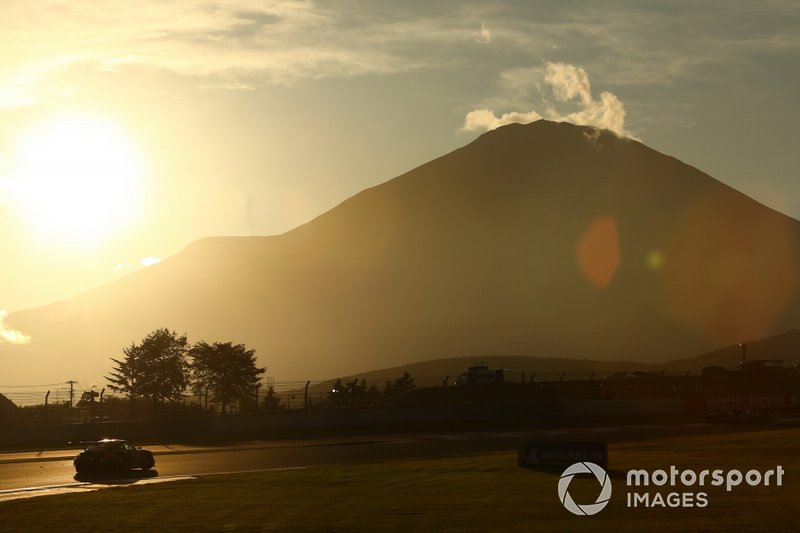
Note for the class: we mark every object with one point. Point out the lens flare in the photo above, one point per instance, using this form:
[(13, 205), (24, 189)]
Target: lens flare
[(598, 251)]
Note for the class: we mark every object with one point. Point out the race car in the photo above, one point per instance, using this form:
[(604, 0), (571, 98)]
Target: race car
[(112, 454)]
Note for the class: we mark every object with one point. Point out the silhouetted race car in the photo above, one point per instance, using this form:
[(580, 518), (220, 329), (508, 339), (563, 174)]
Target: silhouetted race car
[(112, 454)]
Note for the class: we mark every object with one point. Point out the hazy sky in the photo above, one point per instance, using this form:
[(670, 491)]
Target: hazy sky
[(239, 117)]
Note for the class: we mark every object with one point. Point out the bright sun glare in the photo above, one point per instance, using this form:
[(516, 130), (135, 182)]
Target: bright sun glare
[(76, 179)]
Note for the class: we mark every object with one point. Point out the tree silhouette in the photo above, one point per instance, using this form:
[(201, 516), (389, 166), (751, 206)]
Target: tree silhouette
[(271, 402), (228, 371), (404, 383), (127, 373), (89, 399), (401, 385), (337, 397), (372, 395), (156, 368)]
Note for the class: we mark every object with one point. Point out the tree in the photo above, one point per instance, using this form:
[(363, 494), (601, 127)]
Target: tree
[(156, 368), (164, 365), (401, 385), (337, 397), (127, 373), (271, 402), (404, 384), (372, 395), (228, 371), (89, 399)]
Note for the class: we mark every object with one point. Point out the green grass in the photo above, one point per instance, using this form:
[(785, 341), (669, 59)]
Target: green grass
[(485, 492)]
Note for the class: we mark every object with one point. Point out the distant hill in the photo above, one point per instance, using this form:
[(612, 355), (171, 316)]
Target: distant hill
[(547, 240), (785, 347), (433, 373), (537, 367)]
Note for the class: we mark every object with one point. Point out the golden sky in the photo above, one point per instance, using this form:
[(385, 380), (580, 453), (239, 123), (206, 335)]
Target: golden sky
[(129, 129)]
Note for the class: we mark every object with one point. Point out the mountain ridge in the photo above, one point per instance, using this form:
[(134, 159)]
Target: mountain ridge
[(548, 239)]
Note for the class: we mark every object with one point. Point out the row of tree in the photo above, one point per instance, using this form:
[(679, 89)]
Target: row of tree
[(163, 366), (356, 393)]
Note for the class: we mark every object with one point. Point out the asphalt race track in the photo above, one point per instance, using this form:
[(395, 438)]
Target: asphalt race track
[(32, 472)]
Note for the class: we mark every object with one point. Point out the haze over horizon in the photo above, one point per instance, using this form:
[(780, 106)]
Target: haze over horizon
[(129, 131)]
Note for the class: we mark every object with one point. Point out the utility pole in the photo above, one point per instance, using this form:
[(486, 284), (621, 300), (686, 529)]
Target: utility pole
[(743, 346), (258, 386), (71, 384), (305, 395)]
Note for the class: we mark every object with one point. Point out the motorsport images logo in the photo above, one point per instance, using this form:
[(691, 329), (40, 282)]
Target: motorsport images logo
[(643, 486), (584, 468)]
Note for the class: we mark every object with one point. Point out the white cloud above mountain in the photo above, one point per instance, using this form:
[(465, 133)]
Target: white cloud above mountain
[(567, 85)]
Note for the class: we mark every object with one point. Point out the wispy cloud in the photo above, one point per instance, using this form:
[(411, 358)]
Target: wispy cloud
[(228, 44), (11, 335), (568, 84), (656, 43), (240, 44)]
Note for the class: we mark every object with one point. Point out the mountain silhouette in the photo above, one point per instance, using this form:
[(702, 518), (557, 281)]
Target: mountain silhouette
[(546, 240)]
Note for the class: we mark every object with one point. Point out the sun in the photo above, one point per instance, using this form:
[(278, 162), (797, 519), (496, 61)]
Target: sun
[(76, 179)]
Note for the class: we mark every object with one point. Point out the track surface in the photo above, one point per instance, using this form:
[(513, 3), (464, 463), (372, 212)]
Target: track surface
[(34, 470)]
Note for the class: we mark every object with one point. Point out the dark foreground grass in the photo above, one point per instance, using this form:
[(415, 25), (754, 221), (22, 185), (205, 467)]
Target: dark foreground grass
[(485, 492)]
